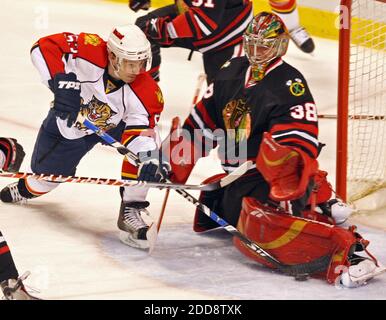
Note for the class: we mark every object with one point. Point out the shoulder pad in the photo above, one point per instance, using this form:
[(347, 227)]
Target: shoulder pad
[(92, 48), (289, 82)]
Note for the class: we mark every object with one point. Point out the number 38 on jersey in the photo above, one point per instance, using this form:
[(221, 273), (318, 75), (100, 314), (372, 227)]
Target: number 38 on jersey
[(306, 111)]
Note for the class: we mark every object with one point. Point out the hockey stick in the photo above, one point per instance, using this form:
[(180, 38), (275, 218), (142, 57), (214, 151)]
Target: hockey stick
[(127, 183), (200, 81), (152, 233), (161, 216), (297, 270), (175, 122), (175, 126)]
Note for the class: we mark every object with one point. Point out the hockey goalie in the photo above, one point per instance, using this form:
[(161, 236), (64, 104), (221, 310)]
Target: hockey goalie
[(283, 202)]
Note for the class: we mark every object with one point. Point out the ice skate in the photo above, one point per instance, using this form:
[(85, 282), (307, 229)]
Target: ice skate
[(11, 194), (302, 40), (133, 227), (360, 272), (13, 289)]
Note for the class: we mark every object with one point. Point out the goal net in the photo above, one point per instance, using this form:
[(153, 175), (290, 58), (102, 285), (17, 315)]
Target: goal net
[(361, 154)]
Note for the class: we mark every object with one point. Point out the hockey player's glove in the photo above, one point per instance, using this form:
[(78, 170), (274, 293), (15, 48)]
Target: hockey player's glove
[(136, 5), (156, 29), (287, 170), (152, 168), (14, 154), (66, 88)]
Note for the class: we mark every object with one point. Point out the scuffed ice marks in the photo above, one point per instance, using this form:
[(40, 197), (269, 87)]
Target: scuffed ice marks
[(208, 263)]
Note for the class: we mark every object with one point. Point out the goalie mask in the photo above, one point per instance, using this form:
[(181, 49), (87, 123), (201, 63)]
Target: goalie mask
[(130, 46), (265, 39)]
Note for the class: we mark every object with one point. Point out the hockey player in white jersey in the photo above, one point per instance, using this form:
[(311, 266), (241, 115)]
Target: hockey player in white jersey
[(107, 83)]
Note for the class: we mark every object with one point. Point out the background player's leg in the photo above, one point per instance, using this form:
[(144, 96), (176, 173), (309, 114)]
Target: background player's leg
[(11, 286), (288, 12)]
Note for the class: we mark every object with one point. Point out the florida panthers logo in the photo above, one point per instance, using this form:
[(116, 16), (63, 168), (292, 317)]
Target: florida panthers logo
[(237, 120), (98, 112), (92, 39)]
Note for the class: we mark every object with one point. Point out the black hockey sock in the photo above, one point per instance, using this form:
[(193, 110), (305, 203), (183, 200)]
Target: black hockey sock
[(7, 266), (24, 191)]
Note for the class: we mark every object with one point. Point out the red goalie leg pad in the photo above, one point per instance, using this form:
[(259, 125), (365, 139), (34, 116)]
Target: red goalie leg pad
[(321, 193), (294, 240), (180, 152), (316, 216), (201, 221), (287, 170), (322, 188)]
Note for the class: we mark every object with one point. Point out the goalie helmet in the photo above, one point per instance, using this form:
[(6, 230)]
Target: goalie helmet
[(128, 42), (265, 39)]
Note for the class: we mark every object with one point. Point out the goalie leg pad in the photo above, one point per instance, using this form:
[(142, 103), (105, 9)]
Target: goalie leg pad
[(321, 207), (179, 152), (294, 240)]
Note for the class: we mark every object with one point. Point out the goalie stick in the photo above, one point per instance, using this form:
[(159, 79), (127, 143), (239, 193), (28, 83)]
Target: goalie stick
[(175, 124), (299, 271), (129, 183)]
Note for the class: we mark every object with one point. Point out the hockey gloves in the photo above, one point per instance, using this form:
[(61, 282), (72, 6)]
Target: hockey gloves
[(136, 5), (156, 29), (152, 168), (287, 170), (66, 88), (13, 152)]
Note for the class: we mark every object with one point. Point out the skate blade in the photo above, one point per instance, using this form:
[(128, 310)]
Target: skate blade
[(127, 239)]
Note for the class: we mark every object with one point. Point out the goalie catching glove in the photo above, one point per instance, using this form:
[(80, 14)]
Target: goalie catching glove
[(287, 169), (12, 154), (153, 167)]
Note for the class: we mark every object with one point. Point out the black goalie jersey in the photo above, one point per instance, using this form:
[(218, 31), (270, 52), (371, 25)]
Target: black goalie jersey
[(281, 103)]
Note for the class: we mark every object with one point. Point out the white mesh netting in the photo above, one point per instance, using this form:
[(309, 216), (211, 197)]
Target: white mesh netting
[(367, 99)]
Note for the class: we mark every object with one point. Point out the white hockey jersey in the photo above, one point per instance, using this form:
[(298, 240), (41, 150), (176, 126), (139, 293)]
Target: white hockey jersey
[(105, 102)]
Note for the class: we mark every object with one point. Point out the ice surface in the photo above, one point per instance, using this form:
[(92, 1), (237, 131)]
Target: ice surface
[(68, 239)]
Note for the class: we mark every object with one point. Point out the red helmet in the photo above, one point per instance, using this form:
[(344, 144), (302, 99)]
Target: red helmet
[(265, 38)]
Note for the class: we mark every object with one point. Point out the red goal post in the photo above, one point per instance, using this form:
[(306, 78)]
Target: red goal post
[(361, 131)]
